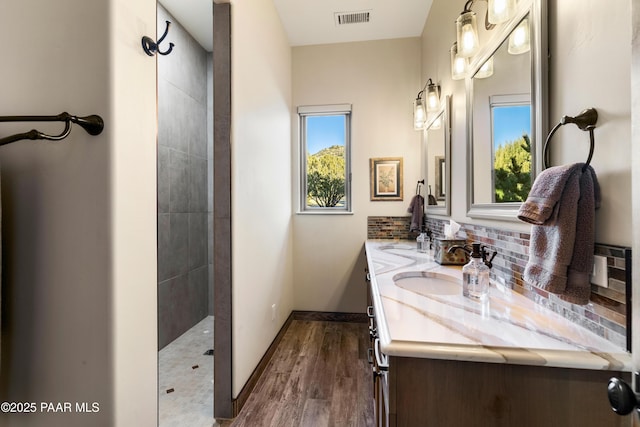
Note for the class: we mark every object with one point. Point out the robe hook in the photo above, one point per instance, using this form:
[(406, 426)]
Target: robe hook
[(151, 48)]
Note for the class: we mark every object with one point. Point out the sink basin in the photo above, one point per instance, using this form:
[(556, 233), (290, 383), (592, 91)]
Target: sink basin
[(428, 283)]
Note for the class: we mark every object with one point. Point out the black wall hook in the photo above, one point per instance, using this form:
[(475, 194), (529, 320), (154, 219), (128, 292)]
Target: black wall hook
[(151, 48)]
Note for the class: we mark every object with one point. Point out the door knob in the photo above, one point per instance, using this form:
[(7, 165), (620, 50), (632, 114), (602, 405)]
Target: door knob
[(621, 396)]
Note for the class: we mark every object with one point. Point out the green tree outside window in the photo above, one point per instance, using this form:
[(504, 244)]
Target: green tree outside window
[(326, 177), (512, 170)]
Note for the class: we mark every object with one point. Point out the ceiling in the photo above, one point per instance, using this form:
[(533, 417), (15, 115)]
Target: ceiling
[(196, 16), (309, 22), (313, 21)]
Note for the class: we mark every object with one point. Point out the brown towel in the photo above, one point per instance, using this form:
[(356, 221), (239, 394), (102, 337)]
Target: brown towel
[(561, 206), (416, 209)]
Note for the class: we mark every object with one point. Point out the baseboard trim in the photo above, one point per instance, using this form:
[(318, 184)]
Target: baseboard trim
[(327, 316), (244, 394)]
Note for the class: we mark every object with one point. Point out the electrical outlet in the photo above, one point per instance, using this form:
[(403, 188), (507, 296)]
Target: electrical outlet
[(599, 274), (273, 312)]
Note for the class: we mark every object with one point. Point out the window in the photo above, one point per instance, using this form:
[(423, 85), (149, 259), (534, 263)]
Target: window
[(325, 170)]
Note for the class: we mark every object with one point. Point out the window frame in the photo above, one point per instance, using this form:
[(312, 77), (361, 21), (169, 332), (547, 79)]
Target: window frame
[(314, 111)]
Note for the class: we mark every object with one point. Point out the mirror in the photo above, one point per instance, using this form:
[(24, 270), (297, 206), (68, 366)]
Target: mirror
[(437, 157), (506, 114)]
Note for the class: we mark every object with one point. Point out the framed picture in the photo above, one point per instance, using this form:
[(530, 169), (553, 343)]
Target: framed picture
[(386, 178)]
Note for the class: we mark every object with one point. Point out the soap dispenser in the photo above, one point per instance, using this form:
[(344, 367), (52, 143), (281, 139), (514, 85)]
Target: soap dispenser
[(475, 274), (422, 242)]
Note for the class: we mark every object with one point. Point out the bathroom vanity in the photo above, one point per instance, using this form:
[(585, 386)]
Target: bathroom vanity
[(440, 359)]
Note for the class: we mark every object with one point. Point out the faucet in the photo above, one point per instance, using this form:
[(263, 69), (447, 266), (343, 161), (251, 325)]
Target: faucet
[(430, 237), (480, 251)]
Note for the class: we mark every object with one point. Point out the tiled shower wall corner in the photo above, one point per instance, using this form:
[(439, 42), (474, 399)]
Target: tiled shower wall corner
[(210, 177), (607, 314), (183, 276)]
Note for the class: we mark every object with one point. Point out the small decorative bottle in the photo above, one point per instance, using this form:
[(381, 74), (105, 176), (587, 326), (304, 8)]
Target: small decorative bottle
[(422, 242), (475, 276)]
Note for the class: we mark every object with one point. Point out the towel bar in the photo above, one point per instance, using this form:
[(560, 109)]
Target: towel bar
[(586, 120), (93, 124)]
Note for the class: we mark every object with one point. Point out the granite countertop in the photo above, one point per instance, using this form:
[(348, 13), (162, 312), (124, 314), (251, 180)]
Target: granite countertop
[(508, 328)]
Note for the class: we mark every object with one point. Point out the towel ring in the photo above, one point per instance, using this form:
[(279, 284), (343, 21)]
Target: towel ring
[(586, 120)]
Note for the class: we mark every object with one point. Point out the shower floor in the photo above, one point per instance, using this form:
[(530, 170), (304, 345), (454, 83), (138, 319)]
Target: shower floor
[(185, 379)]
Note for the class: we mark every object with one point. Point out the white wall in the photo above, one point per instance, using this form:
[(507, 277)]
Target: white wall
[(380, 79), (261, 200), (589, 66), (79, 232), (133, 181)]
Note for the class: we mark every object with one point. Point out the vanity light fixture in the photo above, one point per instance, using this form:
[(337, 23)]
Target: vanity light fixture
[(433, 97), (486, 70), (519, 40), (419, 112), (459, 64)]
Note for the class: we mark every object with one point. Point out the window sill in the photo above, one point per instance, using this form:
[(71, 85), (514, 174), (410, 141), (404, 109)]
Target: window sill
[(324, 213)]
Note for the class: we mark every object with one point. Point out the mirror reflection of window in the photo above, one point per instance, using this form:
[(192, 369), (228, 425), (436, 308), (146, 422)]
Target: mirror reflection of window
[(511, 147), (502, 128)]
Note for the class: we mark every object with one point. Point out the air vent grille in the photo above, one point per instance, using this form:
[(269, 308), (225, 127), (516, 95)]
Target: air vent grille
[(343, 18)]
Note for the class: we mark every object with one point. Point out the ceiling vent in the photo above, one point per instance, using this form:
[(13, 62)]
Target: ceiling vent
[(361, 17)]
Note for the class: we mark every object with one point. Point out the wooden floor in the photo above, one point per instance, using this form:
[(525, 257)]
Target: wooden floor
[(318, 376)]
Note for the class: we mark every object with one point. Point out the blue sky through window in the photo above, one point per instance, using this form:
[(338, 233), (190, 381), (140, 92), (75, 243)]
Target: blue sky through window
[(510, 123), (324, 131)]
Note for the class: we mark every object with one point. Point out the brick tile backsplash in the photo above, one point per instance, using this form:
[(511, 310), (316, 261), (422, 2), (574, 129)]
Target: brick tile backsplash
[(389, 227), (607, 314)]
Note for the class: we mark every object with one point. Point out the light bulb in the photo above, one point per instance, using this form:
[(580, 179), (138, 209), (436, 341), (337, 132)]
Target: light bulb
[(458, 64), (500, 11), (433, 101), (419, 115), (519, 39), (486, 70), (467, 34), (468, 41)]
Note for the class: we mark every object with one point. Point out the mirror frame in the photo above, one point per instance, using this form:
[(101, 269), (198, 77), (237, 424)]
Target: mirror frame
[(445, 112), (537, 11)]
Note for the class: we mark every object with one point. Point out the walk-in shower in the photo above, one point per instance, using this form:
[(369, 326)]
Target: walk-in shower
[(185, 236)]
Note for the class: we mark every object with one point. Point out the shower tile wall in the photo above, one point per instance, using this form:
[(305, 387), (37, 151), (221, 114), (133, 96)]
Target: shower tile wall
[(210, 174), (183, 276)]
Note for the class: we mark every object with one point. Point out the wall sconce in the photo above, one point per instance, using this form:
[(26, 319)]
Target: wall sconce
[(419, 112), (467, 32), (433, 97), (486, 70), (432, 101), (459, 64), (519, 40)]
